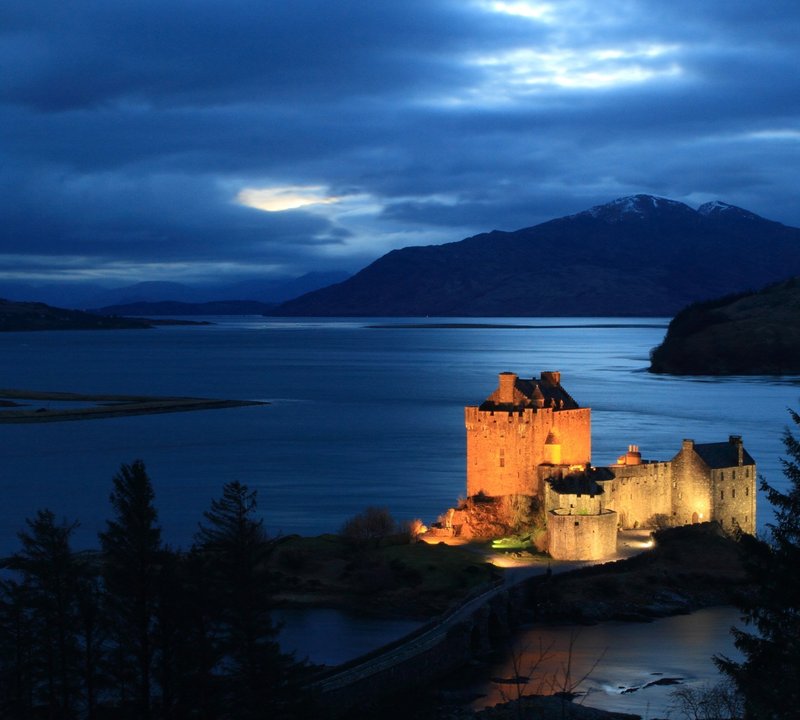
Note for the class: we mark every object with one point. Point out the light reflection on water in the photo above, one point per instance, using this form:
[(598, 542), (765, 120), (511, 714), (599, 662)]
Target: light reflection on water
[(615, 657)]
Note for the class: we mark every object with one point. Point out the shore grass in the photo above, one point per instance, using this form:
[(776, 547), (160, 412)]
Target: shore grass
[(391, 577)]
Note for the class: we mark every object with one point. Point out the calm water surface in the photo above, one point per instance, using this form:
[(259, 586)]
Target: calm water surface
[(359, 416), (364, 416), (612, 665)]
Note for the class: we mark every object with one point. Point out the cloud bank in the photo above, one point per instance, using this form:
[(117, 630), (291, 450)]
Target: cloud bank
[(195, 140)]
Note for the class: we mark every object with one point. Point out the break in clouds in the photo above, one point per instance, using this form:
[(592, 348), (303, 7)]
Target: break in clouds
[(194, 140)]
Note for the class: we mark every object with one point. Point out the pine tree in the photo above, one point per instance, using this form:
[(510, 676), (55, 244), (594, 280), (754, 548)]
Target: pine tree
[(234, 546), (17, 653), (48, 596), (769, 676), (132, 554)]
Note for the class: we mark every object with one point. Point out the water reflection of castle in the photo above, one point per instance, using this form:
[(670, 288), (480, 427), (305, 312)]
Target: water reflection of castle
[(529, 437)]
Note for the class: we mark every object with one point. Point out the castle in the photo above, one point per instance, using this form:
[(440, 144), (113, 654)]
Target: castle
[(529, 437)]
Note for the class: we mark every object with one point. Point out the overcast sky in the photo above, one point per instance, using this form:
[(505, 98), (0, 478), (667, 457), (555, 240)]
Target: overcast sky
[(190, 140)]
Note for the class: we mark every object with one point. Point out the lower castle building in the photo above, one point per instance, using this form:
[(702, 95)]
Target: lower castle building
[(531, 438)]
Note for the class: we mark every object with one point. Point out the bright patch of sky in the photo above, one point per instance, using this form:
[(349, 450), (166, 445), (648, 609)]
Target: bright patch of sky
[(531, 10), (278, 199), (523, 70), (776, 134)]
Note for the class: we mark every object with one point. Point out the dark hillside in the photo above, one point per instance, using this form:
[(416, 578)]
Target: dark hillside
[(18, 316), (755, 333), (635, 256)]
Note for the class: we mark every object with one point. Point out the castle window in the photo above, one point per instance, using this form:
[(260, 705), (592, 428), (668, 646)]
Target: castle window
[(502, 457), (747, 492), (733, 492), (577, 523), (734, 474), (721, 494), (722, 475), (733, 521)]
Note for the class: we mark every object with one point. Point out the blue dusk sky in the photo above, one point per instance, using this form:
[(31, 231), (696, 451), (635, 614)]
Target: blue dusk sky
[(199, 141)]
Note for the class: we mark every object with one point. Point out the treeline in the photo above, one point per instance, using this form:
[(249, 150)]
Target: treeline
[(137, 630)]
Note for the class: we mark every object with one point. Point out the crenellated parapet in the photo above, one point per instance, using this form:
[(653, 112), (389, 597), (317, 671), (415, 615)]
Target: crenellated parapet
[(521, 425)]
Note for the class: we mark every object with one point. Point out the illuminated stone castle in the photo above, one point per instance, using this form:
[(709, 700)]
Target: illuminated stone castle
[(531, 438)]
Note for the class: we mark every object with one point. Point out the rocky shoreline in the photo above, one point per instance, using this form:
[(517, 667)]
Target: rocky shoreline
[(689, 568)]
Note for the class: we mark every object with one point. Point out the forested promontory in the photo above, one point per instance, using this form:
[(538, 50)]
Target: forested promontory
[(23, 316), (752, 333)]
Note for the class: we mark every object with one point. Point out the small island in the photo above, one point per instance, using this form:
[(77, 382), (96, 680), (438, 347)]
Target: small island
[(752, 333)]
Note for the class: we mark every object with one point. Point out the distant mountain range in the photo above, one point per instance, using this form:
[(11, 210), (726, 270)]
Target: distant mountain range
[(170, 308), (755, 333), (82, 296), (639, 255)]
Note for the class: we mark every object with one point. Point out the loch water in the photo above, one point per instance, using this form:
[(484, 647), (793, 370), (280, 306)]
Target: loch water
[(359, 415), (361, 412)]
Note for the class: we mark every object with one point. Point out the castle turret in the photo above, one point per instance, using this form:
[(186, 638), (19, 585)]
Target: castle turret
[(632, 457), (552, 450)]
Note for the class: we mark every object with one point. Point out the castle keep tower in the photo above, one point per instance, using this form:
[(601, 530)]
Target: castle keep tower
[(524, 424), (529, 437)]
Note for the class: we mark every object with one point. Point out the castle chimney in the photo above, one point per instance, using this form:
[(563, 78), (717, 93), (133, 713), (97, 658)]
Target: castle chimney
[(736, 441), (551, 377), (687, 444), (633, 456), (507, 382)]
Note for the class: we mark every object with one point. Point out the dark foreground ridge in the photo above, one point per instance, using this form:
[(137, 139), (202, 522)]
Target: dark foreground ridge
[(754, 333), (25, 406)]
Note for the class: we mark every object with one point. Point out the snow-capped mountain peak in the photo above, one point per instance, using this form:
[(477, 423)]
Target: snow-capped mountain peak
[(717, 208), (640, 206)]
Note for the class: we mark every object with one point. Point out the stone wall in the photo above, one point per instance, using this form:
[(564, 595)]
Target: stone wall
[(691, 499), (639, 493), (581, 537), (504, 449), (574, 430), (734, 498)]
